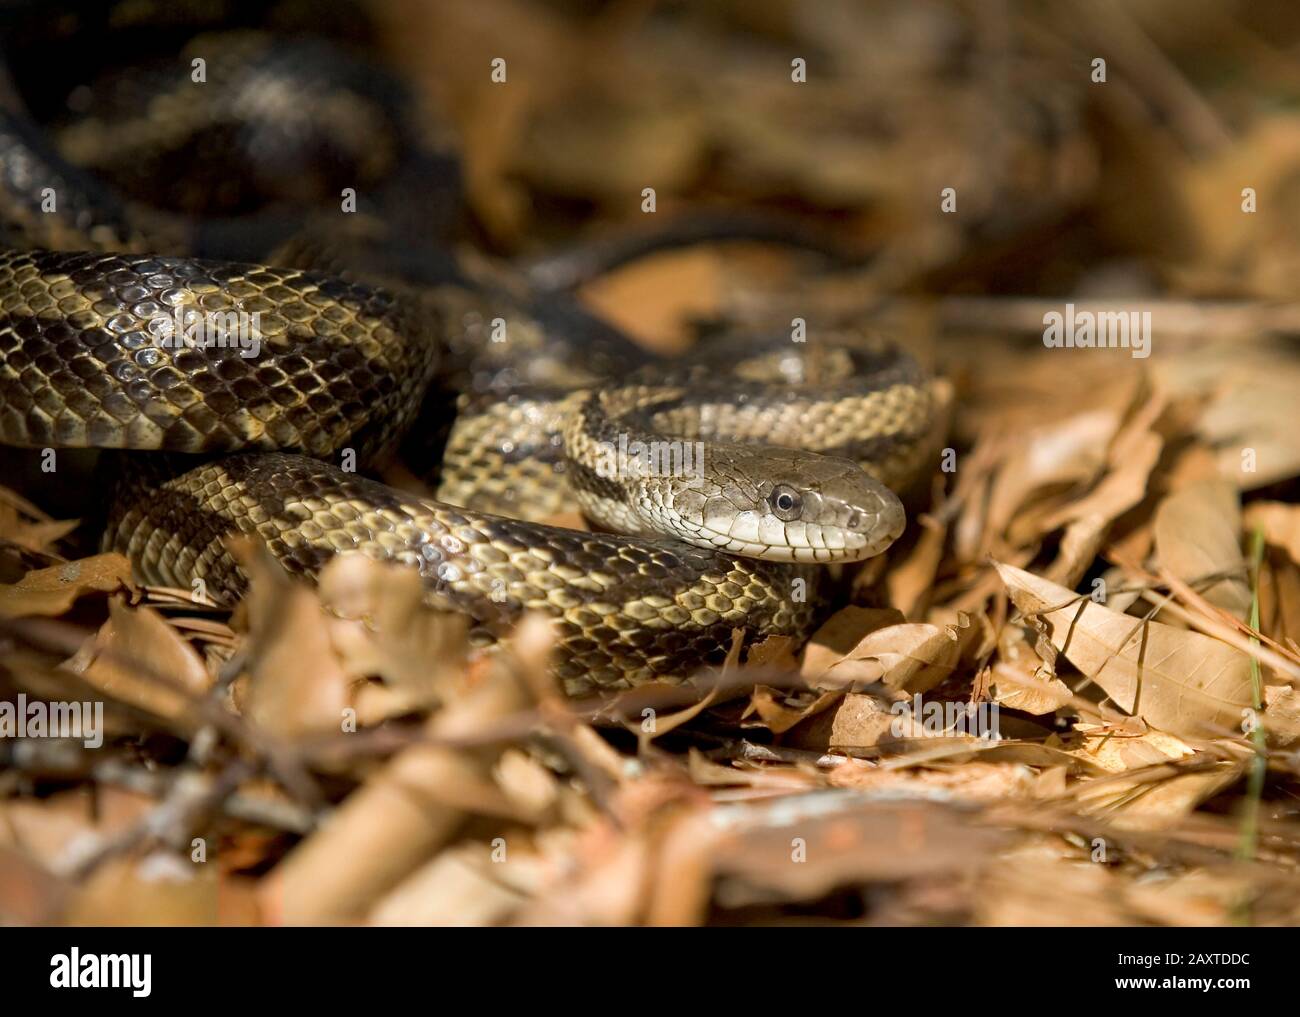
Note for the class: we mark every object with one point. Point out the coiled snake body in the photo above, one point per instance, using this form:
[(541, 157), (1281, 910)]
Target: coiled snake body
[(337, 377)]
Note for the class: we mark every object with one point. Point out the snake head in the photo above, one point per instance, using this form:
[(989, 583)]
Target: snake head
[(774, 503)]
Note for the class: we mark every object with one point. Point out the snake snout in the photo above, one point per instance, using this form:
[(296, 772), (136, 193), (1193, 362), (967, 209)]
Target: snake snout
[(870, 514), (880, 522)]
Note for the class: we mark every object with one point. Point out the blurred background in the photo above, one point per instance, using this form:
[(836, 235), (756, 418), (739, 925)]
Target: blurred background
[(1063, 180)]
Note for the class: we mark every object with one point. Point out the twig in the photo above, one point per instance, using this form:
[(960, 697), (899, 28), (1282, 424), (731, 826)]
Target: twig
[(1259, 764)]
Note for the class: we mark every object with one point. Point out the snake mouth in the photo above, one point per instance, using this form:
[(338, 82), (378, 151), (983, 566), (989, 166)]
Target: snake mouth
[(865, 535)]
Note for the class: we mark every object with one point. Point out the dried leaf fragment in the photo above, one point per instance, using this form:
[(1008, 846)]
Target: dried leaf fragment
[(50, 592), (1180, 681)]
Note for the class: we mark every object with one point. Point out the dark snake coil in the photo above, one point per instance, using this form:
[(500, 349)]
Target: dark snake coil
[(339, 374)]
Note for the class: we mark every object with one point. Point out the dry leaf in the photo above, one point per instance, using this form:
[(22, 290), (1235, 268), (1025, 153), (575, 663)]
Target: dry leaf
[(158, 889), (38, 535), (385, 629), (50, 592), (656, 298), (780, 717), (1130, 457), (707, 773), (1280, 523), (908, 658), (390, 826), (912, 581), (973, 781), (61, 830), (1250, 421), (137, 658), (297, 685), (858, 722), (1161, 795), (29, 894), (840, 633), (1116, 751), (1180, 681), (459, 887), (1198, 533), (854, 838), (1020, 689), (1282, 714)]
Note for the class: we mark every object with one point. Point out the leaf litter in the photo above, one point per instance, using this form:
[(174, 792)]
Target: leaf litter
[(1038, 708)]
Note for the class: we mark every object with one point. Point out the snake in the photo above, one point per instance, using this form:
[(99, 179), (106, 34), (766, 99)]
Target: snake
[(720, 485)]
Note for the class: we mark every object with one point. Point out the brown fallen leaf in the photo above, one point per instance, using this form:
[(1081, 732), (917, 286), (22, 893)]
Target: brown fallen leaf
[(1053, 456), (1198, 533), (857, 722), (972, 781), (911, 582), (1267, 149), (297, 686), (781, 717), (774, 653), (970, 532), (1282, 714), (385, 629), (963, 748), (653, 725), (1280, 523), (608, 889), (1179, 681), (1051, 442), (530, 787), (29, 894), (138, 658), (1020, 679), (1279, 598), (1017, 688), (161, 888), (25, 525), (707, 773), (406, 811), (56, 834), (657, 297), (846, 838), (913, 657), (633, 141), (1197, 899), (1252, 387), (37, 536), (1164, 785), (1034, 886), (1130, 458), (50, 592), (840, 633), (462, 886), (1116, 751)]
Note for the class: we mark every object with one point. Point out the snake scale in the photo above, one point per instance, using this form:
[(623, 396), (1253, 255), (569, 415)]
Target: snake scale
[(723, 525)]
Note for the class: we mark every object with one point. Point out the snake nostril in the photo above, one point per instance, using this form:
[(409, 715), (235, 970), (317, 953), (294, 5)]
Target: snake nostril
[(855, 520)]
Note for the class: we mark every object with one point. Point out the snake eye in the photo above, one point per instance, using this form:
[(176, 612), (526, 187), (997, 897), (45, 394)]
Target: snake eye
[(786, 502)]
